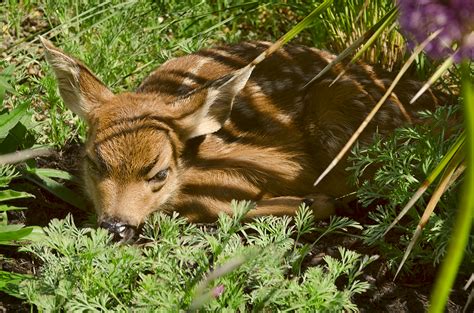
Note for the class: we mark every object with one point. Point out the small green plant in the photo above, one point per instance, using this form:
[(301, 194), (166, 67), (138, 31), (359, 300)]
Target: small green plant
[(182, 266), (400, 163)]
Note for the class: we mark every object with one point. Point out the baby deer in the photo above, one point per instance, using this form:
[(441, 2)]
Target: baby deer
[(205, 128)]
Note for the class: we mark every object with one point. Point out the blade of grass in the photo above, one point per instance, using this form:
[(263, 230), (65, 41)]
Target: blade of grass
[(372, 113), (381, 25), (445, 181), (108, 17), (458, 145), (292, 32), (78, 18), (6, 76), (6, 195), (437, 74), (461, 230), (368, 36), (390, 22)]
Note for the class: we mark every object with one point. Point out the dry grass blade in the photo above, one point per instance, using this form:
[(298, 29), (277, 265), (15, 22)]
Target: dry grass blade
[(370, 35), (372, 113), (437, 74), (431, 178), (23, 155), (444, 184)]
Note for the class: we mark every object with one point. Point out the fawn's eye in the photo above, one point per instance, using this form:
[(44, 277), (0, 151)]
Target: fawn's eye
[(160, 176)]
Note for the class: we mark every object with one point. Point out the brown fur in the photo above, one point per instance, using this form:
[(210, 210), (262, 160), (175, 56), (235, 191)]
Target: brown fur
[(264, 139)]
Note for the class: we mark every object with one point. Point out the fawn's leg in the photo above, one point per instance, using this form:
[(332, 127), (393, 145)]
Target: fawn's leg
[(323, 206), (205, 209)]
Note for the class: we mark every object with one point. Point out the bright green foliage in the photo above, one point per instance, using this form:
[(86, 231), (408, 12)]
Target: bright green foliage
[(13, 135), (400, 163), (82, 270), (350, 19)]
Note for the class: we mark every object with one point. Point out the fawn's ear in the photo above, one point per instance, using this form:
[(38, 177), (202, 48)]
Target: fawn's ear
[(80, 89), (205, 111)]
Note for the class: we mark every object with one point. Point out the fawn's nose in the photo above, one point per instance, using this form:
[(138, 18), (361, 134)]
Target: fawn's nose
[(122, 232)]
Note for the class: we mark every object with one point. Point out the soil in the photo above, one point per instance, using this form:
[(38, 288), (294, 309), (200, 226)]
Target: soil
[(409, 293)]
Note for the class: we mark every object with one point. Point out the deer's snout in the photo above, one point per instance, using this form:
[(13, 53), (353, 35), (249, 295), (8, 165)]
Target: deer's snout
[(122, 232)]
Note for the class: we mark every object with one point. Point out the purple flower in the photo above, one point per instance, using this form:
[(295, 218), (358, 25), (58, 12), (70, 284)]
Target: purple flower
[(217, 291), (455, 18)]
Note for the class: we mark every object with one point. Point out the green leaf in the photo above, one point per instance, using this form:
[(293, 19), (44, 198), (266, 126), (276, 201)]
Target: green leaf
[(8, 121), (4, 208), (6, 195), (15, 139), (11, 227), (36, 234), (58, 189), (53, 173), (14, 235), (9, 282)]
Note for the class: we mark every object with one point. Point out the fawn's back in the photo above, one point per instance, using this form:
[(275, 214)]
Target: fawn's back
[(204, 129)]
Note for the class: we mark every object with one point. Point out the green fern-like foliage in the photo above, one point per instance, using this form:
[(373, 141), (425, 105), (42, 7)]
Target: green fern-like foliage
[(231, 267), (399, 164)]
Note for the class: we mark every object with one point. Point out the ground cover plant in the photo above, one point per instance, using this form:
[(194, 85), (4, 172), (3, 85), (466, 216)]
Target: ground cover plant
[(83, 270), (124, 40), (403, 154)]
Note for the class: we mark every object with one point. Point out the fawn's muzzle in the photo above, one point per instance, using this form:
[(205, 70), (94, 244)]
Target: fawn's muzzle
[(122, 232)]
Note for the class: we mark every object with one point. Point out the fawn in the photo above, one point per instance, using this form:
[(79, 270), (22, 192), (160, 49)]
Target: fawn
[(205, 128)]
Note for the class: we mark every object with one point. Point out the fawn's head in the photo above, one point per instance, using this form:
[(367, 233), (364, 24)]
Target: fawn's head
[(132, 153)]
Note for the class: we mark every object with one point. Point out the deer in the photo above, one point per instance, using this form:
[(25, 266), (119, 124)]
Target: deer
[(209, 127)]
